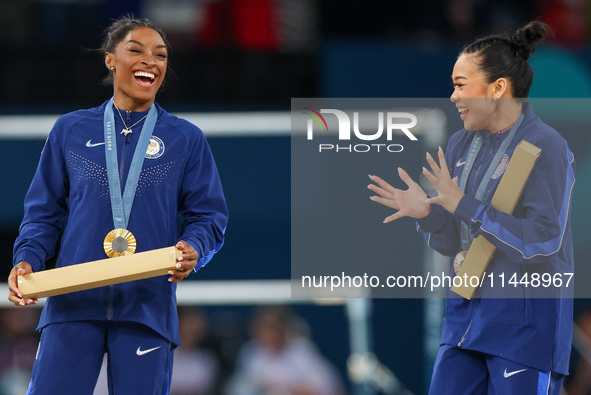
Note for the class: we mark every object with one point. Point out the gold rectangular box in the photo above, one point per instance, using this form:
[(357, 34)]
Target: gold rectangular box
[(99, 273), (505, 199)]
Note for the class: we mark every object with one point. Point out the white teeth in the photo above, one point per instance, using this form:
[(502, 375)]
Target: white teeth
[(462, 109), (144, 74)]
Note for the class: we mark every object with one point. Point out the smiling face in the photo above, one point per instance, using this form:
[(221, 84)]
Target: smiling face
[(473, 95), (138, 63)]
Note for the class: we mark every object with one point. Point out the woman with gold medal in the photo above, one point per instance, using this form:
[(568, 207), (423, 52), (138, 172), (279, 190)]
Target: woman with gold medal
[(118, 175), (498, 342)]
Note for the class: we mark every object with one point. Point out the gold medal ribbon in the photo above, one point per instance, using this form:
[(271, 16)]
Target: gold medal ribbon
[(120, 241)]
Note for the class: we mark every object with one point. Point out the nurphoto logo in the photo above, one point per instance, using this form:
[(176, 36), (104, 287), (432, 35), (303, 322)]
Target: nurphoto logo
[(392, 120)]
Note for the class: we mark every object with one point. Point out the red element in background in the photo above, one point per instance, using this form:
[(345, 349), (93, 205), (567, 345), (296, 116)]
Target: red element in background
[(567, 21), (246, 24)]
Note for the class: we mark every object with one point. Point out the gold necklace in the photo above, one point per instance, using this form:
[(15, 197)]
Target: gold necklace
[(127, 129)]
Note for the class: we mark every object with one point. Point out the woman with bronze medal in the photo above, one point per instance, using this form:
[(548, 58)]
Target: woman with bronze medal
[(116, 177), (497, 342)]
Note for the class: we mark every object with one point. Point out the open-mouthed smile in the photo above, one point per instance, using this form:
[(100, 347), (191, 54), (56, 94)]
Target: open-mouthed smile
[(463, 112), (144, 78)]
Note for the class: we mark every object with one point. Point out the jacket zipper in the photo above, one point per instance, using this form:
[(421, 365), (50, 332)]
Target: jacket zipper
[(127, 141), (463, 338), (110, 308)]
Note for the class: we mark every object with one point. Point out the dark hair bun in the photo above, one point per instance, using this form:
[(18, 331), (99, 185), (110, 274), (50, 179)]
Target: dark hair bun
[(528, 36)]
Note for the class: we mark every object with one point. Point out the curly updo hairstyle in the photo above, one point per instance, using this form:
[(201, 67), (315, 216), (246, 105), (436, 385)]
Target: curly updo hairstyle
[(500, 56), (118, 30)]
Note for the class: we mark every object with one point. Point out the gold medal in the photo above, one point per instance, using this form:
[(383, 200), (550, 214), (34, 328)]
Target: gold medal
[(119, 242), (458, 260)]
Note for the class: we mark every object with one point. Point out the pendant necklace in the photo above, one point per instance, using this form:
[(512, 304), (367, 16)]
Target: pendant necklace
[(127, 129)]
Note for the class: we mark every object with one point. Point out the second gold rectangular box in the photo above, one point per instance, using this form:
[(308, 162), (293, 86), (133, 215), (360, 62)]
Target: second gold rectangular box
[(505, 199)]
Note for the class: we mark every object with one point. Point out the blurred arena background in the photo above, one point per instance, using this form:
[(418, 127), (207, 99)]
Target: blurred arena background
[(235, 65)]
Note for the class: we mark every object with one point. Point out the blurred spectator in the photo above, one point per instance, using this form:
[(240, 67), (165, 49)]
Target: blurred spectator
[(463, 17), (260, 25), (195, 370), (567, 18), (469, 19), (178, 18), (18, 347), (280, 359), (579, 381)]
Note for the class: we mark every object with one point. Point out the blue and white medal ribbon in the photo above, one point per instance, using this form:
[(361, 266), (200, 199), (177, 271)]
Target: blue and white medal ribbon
[(121, 241), (465, 236)]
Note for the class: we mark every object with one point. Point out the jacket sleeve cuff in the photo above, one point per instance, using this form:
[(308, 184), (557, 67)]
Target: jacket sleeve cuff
[(196, 244), (467, 209), (29, 257), (433, 222)]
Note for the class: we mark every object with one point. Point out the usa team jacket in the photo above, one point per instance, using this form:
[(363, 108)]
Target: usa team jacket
[(535, 238), (70, 191)]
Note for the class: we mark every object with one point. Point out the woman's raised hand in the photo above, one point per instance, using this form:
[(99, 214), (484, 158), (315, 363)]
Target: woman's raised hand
[(409, 203), (449, 193)]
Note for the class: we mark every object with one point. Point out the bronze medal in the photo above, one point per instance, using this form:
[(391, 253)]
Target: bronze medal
[(458, 260)]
